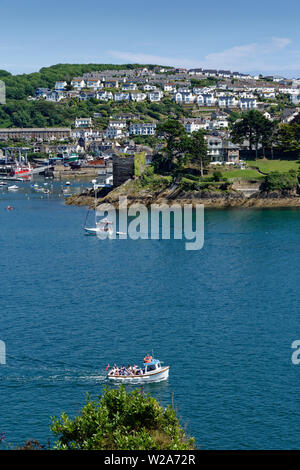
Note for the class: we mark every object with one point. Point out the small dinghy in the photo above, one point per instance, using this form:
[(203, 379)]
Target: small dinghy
[(152, 371)]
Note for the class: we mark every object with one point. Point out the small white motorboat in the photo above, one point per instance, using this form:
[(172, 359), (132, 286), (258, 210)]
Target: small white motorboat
[(13, 188), (152, 371)]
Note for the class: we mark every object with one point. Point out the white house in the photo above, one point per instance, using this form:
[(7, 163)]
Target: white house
[(227, 101), (129, 86), (120, 124), (248, 103), (138, 96), (149, 87), (155, 96), (295, 99), (85, 95), (169, 87), (214, 148), (83, 122), (94, 83), (105, 95), (184, 97), (78, 83), (55, 96), (192, 125), (219, 123), (142, 129), (206, 99), (122, 96), (60, 85), (113, 133)]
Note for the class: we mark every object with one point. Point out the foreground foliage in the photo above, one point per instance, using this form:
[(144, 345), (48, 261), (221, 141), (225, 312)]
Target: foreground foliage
[(121, 421)]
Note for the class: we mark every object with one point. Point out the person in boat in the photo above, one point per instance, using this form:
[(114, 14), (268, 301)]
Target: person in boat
[(147, 358)]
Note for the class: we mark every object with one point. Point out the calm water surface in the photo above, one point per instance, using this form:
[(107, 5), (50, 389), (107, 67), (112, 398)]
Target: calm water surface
[(223, 317)]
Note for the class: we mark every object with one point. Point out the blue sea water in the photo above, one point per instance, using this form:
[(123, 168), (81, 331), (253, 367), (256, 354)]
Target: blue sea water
[(223, 317)]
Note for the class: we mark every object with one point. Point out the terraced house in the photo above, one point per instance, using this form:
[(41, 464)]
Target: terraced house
[(142, 129)]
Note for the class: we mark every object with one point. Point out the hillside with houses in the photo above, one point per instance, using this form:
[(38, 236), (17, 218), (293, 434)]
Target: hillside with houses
[(101, 112)]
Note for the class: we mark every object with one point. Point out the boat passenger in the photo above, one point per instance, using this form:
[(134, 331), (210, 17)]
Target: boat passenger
[(147, 358)]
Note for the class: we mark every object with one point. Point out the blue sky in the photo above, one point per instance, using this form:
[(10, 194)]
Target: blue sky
[(254, 37)]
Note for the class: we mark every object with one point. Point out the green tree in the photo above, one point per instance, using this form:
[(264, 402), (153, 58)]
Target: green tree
[(254, 127), (288, 137), (121, 421), (174, 134), (196, 148)]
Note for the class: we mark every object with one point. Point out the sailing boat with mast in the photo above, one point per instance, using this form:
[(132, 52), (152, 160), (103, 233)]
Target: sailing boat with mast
[(103, 227)]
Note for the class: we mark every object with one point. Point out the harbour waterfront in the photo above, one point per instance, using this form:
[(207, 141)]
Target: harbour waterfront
[(223, 318)]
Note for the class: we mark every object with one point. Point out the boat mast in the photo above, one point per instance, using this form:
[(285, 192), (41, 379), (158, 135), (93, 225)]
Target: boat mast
[(95, 199)]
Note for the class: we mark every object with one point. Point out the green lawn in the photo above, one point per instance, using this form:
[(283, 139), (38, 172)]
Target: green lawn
[(282, 166), (243, 174)]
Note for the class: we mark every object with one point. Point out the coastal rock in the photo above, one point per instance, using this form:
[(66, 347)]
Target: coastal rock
[(174, 194)]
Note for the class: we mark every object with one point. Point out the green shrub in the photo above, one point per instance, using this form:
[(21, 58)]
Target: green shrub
[(276, 181), (121, 421)]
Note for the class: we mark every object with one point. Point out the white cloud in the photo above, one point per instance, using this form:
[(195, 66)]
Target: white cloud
[(272, 56), (247, 57)]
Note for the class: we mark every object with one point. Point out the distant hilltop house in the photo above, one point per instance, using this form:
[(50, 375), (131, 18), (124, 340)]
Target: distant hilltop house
[(78, 83), (94, 83)]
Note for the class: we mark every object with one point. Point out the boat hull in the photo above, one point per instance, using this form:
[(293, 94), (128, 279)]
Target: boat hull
[(156, 376)]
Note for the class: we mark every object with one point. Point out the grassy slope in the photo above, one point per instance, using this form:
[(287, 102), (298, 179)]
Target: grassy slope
[(282, 166)]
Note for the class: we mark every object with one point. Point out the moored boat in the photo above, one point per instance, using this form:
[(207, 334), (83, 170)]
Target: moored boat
[(22, 171), (13, 188)]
